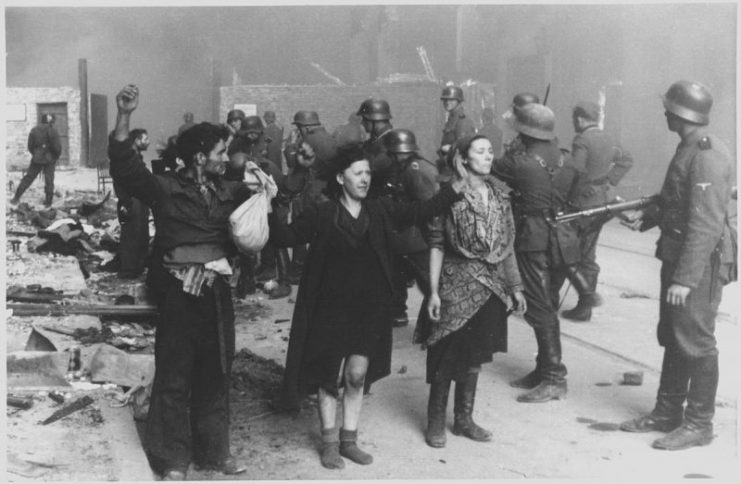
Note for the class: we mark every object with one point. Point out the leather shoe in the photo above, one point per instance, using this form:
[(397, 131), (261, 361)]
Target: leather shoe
[(684, 437), (651, 423), (174, 475)]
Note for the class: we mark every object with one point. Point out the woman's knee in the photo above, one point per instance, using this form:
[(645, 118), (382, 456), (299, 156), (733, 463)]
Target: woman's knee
[(355, 375)]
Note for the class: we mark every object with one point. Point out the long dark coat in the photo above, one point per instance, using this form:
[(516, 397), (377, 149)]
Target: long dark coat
[(313, 226)]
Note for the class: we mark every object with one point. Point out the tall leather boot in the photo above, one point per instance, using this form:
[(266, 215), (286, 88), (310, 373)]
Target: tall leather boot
[(553, 385), (532, 379), (667, 413), (697, 428), (465, 395), (437, 407), (283, 289), (583, 310)]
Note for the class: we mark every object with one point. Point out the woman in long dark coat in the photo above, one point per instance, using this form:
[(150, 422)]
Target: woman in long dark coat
[(341, 328), (474, 281)]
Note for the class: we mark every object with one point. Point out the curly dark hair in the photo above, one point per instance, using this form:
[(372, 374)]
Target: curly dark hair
[(200, 138)]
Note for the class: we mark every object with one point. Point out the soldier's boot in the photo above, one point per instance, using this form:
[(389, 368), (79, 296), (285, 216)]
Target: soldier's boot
[(437, 407), (246, 284), (583, 309), (48, 198), (667, 413), (553, 384), (465, 396), (266, 270), (697, 428), (283, 289), (532, 379)]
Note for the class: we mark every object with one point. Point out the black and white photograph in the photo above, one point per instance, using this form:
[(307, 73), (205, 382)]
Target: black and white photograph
[(378, 241)]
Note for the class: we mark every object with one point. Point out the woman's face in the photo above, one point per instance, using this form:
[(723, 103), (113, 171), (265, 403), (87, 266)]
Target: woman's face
[(480, 156), (355, 180)]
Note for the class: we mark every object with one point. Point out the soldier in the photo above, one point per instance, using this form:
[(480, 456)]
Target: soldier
[(695, 252), (308, 152), (350, 133), (457, 126), (518, 102), (274, 132), (415, 179), (234, 120), (376, 115), (601, 164), (541, 176), (252, 142), (45, 148), (492, 132), (187, 122)]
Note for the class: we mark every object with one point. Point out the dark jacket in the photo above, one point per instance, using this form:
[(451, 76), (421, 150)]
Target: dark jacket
[(313, 226), (693, 207), (457, 126), (601, 163), (181, 214), (274, 133), (44, 144), (310, 180), (415, 181), (382, 167), (539, 193)]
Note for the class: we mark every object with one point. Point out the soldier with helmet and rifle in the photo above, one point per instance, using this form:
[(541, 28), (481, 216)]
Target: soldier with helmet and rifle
[(414, 179), (697, 251), (457, 126), (541, 176)]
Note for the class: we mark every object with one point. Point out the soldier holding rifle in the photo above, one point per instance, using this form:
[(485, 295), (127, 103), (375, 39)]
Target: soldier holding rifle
[(695, 248)]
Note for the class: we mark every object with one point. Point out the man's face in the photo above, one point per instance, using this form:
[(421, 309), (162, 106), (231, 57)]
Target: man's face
[(400, 158), (355, 180), (236, 124), (142, 142), (450, 104), (367, 125), (216, 161)]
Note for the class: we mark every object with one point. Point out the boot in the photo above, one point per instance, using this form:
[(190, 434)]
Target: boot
[(465, 395), (283, 289), (667, 413), (583, 309), (267, 264), (349, 448), (553, 385), (330, 453), (697, 428), (437, 407), (48, 199), (529, 381)]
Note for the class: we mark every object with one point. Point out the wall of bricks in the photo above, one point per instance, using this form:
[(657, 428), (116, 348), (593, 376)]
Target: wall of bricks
[(16, 153), (414, 106)]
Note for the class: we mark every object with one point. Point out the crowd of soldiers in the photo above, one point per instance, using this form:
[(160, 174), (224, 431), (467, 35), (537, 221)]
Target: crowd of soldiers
[(546, 179)]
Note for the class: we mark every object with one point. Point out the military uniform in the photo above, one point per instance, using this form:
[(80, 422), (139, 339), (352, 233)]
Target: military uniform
[(45, 148), (494, 134), (381, 166), (541, 178), (274, 133), (601, 165), (695, 241), (457, 126)]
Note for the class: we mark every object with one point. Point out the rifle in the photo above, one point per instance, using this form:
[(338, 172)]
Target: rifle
[(609, 208), (547, 92)]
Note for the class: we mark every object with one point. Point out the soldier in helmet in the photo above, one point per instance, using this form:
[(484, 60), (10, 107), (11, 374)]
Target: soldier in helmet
[(415, 178), (518, 102), (457, 126), (309, 151), (695, 250), (601, 164), (376, 116), (542, 176), (251, 144)]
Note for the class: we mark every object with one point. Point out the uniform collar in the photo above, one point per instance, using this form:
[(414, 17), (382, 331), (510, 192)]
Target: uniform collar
[(694, 137)]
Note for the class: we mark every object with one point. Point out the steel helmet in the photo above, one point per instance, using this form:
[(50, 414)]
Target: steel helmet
[(400, 141), (235, 114), (306, 118), (689, 100), (452, 92), (252, 124), (536, 121), (524, 98), (375, 110)]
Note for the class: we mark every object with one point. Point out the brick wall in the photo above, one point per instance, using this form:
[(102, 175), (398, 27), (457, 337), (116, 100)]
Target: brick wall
[(16, 154), (413, 106)]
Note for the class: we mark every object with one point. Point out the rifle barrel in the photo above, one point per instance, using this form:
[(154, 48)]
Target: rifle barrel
[(605, 209)]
